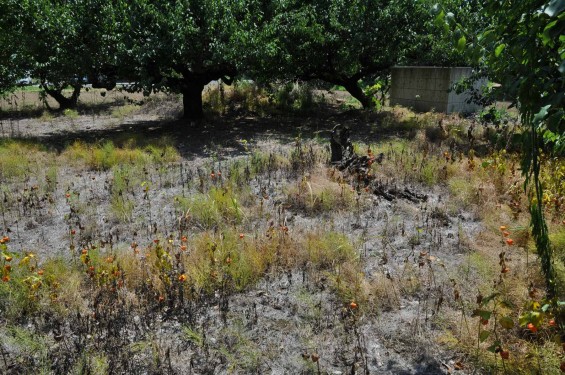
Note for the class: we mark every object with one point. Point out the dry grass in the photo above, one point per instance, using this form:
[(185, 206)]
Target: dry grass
[(89, 100), (107, 155), (318, 193), (21, 159), (229, 236)]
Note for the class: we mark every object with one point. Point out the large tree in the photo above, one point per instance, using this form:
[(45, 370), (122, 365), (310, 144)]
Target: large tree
[(10, 47), (338, 41), (61, 42), (182, 45)]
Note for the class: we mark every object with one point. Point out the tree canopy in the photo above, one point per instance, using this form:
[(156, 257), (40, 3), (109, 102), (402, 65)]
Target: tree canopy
[(61, 42), (180, 46), (10, 48), (340, 42)]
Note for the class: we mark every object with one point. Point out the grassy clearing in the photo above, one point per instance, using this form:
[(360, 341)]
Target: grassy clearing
[(278, 216)]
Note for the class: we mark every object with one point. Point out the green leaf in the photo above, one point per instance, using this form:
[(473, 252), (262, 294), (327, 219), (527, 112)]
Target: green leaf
[(461, 43), (506, 322), (562, 67), (483, 336), (550, 136), (489, 298), (440, 19), (486, 35), (546, 37), (540, 116), (484, 314), (555, 7), (494, 346), (498, 50), (530, 317)]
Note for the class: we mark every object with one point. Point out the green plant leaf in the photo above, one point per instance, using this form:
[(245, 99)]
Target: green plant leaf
[(494, 346), (546, 37), (461, 43), (483, 336), (530, 317), (440, 19), (498, 50), (506, 322), (484, 314), (489, 298), (540, 116)]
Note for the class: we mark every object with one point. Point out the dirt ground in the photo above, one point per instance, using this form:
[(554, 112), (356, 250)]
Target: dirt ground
[(275, 327)]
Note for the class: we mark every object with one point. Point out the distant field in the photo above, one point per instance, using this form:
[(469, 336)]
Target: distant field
[(29, 98)]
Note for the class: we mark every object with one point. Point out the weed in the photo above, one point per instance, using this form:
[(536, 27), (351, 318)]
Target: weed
[(242, 353), (464, 191), (32, 348), (51, 178), (210, 210), (193, 336), (70, 113), (321, 195), (92, 363), (124, 178), (122, 112), (46, 116), (291, 96), (18, 159), (250, 221), (107, 155), (328, 250)]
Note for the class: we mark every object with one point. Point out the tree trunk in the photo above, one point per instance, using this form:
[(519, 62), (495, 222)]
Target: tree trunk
[(63, 101), (355, 91), (192, 101)]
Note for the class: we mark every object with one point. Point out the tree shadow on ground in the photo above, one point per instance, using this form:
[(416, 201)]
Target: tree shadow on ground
[(231, 134)]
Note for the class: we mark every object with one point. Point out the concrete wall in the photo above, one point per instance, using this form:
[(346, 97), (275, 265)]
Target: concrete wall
[(426, 88)]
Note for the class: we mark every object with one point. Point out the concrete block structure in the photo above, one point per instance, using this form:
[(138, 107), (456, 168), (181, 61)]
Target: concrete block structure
[(427, 88)]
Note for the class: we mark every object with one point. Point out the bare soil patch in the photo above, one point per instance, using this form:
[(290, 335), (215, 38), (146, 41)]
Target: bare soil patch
[(408, 251)]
